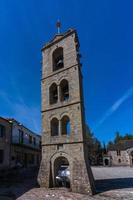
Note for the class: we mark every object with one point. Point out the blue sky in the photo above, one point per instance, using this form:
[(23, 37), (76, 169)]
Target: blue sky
[(105, 30)]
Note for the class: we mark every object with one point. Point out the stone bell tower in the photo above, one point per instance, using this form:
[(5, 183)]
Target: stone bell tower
[(63, 122)]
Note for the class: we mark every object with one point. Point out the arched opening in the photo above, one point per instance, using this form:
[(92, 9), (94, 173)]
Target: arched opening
[(54, 127), (64, 90), (58, 62), (106, 161), (53, 93), (119, 160), (61, 172), (65, 126), (131, 160)]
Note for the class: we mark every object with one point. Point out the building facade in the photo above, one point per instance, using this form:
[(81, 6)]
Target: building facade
[(63, 122), (26, 145), (5, 143), (120, 154), (19, 146)]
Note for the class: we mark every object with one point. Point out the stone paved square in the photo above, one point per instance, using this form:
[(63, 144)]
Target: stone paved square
[(113, 183)]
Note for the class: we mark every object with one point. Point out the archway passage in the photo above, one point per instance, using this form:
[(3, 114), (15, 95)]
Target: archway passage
[(106, 161), (61, 172), (131, 160)]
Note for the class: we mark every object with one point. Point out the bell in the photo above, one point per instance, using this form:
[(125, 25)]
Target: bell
[(59, 62)]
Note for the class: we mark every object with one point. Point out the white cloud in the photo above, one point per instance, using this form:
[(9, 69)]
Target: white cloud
[(30, 116), (114, 107), (27, 115)]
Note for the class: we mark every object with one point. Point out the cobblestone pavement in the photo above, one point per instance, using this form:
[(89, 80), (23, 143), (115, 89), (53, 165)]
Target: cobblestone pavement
[(113, 183), (43, 194)]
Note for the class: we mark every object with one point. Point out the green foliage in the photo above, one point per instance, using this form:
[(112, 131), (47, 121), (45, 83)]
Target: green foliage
[(95, 149), (128, 136), (110, 144), (118, 138), (104, 148)]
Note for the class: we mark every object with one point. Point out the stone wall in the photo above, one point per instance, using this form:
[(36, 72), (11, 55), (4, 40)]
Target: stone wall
[(5, 142), (119, 160), (72, 147)]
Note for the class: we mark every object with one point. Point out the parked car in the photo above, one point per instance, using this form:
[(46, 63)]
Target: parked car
[(63, 176)]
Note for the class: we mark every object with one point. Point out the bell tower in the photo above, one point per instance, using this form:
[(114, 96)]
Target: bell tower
[(63, 122)]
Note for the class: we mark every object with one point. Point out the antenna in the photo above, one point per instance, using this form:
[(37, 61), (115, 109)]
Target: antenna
[(58, 25)]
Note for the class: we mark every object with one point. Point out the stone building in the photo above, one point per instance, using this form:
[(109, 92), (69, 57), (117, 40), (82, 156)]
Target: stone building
[(25, 145), (120, 154), (63, 121), (18, 145), (5, 143)]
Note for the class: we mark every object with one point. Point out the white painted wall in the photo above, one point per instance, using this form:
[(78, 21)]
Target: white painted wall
[(26, 132)]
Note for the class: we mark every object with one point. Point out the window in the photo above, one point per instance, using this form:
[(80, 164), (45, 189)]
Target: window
[(58, 62), (118, 152), (13, 158), (30, 139), (119, 161), (21, 136), (31, 158), (65, 125), (34, 141), (53, 93), (64, 90), (60, 146), (2, 131), (1, 156), (54, 127), (40, 145), (37, 159)]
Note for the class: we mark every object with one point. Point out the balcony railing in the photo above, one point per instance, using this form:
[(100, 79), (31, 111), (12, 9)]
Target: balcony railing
[(25, 141)]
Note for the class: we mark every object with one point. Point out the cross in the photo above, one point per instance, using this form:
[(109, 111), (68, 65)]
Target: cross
[(58, 25)]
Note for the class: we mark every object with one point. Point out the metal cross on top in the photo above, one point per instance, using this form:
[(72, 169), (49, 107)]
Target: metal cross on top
[(58, 25)]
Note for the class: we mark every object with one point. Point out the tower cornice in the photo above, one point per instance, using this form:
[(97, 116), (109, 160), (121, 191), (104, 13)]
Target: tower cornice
[(61, 106), (59, 37), (62, 70)]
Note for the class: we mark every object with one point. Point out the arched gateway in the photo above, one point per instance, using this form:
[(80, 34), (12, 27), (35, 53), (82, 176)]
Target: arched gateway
[(61, 172), (131, 158), (64, 147)]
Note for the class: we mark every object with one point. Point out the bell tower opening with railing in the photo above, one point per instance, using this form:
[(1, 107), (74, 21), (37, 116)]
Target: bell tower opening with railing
[(64, 147)]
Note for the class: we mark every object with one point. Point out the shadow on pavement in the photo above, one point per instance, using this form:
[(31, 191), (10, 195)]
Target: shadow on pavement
[(111, 184), (17, 182)]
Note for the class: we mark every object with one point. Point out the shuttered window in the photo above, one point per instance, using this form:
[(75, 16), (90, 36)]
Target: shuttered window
[(2, 131), (1, 156)]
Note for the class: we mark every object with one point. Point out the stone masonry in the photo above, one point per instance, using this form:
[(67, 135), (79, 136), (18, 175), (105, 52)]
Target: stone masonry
[(71, 146)]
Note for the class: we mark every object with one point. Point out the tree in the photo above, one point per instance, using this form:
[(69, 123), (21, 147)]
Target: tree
[(110, 144), (104, 148), (94, 147), (128, 137), (118, 137)]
